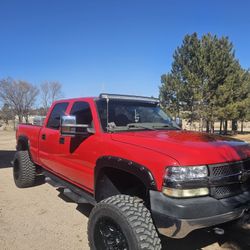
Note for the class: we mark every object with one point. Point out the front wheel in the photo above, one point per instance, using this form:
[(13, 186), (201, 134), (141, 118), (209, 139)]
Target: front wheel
[(122, 222)]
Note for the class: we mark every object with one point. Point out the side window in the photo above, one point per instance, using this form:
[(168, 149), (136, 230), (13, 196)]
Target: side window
[(82, 112), (54, 119)]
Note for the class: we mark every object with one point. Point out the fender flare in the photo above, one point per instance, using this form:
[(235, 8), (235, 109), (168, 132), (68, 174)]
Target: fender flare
[(24, 141), (141, 172)]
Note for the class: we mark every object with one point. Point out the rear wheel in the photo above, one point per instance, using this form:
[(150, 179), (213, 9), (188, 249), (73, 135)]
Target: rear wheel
[(24, 170), (122, 222)]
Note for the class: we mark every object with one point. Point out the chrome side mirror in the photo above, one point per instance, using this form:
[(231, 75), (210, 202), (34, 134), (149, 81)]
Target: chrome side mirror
[(178, 121), (68, 127)]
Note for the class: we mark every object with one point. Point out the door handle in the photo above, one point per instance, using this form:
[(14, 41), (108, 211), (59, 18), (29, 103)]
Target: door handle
[(61, 140), (43, 137)]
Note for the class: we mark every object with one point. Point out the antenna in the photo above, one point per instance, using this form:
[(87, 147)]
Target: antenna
[(107, 100)]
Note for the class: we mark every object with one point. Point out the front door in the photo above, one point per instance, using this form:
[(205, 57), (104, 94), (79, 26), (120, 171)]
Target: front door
[(80, 152), (71, 157)]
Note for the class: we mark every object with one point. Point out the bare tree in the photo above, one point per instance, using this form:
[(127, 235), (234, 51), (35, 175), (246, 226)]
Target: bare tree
[(7, 114), (19, 95), (50, 91)]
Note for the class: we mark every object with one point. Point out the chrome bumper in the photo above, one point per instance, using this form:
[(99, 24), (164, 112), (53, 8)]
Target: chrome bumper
[(183, 227)]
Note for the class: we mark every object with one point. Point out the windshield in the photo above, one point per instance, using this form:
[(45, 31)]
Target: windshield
[(132, 115)]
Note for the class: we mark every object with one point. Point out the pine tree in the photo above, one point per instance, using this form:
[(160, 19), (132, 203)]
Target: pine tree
[(206, 82)]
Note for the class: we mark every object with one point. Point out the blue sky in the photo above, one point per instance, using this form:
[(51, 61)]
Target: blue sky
[(117, 46)]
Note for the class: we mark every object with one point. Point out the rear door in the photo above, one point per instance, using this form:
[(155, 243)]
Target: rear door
[(50, 147)]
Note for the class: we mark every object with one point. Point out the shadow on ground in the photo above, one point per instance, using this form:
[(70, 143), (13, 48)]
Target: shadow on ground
[(233, 239), (6, 156), (83, 208)]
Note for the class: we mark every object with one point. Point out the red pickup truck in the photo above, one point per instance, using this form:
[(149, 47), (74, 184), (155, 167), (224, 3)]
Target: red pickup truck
[(143, 174)]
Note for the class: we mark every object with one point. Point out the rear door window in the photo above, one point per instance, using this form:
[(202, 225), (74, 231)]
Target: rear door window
[(55, 116)]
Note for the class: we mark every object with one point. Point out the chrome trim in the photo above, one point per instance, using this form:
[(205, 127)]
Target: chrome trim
[(182, 227)]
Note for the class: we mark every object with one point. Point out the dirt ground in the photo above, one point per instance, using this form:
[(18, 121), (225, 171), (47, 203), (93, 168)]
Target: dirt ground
[(244, 137), (41, 217)]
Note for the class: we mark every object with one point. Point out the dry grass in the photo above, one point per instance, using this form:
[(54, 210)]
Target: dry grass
[(244, 137)]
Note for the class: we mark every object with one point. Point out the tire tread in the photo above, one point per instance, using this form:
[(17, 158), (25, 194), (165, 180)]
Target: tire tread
[(27, 170), (139, 218)]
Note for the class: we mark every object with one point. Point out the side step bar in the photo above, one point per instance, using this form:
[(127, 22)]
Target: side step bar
[(75, 197), (53, 183), (71, 191)]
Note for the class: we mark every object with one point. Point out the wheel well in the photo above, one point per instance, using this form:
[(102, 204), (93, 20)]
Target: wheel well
[(113, 181), (22, 144)]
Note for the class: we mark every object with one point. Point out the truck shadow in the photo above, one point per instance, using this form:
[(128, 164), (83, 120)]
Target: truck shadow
[(6, 156), (84, 208), (233, 239)]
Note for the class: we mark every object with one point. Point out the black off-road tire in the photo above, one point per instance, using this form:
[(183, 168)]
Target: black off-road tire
[(126, 215), (24, 170)]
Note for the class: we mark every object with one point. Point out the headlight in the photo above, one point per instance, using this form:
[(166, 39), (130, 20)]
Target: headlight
[(186, 173), (186, 181)]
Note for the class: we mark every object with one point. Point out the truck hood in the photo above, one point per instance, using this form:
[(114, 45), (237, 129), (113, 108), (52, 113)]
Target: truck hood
[(188, 148)]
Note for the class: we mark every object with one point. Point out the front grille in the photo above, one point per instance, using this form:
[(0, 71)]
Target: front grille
[(234, 169), (225, 170), (225, 191)]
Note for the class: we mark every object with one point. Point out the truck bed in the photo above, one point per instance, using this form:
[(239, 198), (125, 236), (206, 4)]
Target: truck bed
[(32, 132)]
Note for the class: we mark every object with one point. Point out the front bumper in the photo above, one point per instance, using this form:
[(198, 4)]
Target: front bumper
[(176, 218)]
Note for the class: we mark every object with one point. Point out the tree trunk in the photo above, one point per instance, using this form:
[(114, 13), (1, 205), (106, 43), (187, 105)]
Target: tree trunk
[(14, 124), (212, 127), (220, 126), (207, 126), (234, 126), (20, 118), (225, 127), (241, 126)]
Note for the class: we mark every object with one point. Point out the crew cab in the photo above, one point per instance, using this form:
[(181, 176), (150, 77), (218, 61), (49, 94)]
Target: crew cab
[(141, 172)]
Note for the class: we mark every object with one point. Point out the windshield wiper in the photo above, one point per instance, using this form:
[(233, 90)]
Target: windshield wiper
[(113, 128), (139, 125), (164, 126)]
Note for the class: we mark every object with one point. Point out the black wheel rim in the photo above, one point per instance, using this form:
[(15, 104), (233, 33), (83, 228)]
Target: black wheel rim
[(16, 170), (108, 235)]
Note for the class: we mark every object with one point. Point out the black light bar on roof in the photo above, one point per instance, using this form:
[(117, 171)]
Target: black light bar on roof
[(129, 97)]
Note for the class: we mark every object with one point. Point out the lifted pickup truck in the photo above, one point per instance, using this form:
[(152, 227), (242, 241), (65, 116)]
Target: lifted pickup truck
[(143, 174)]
